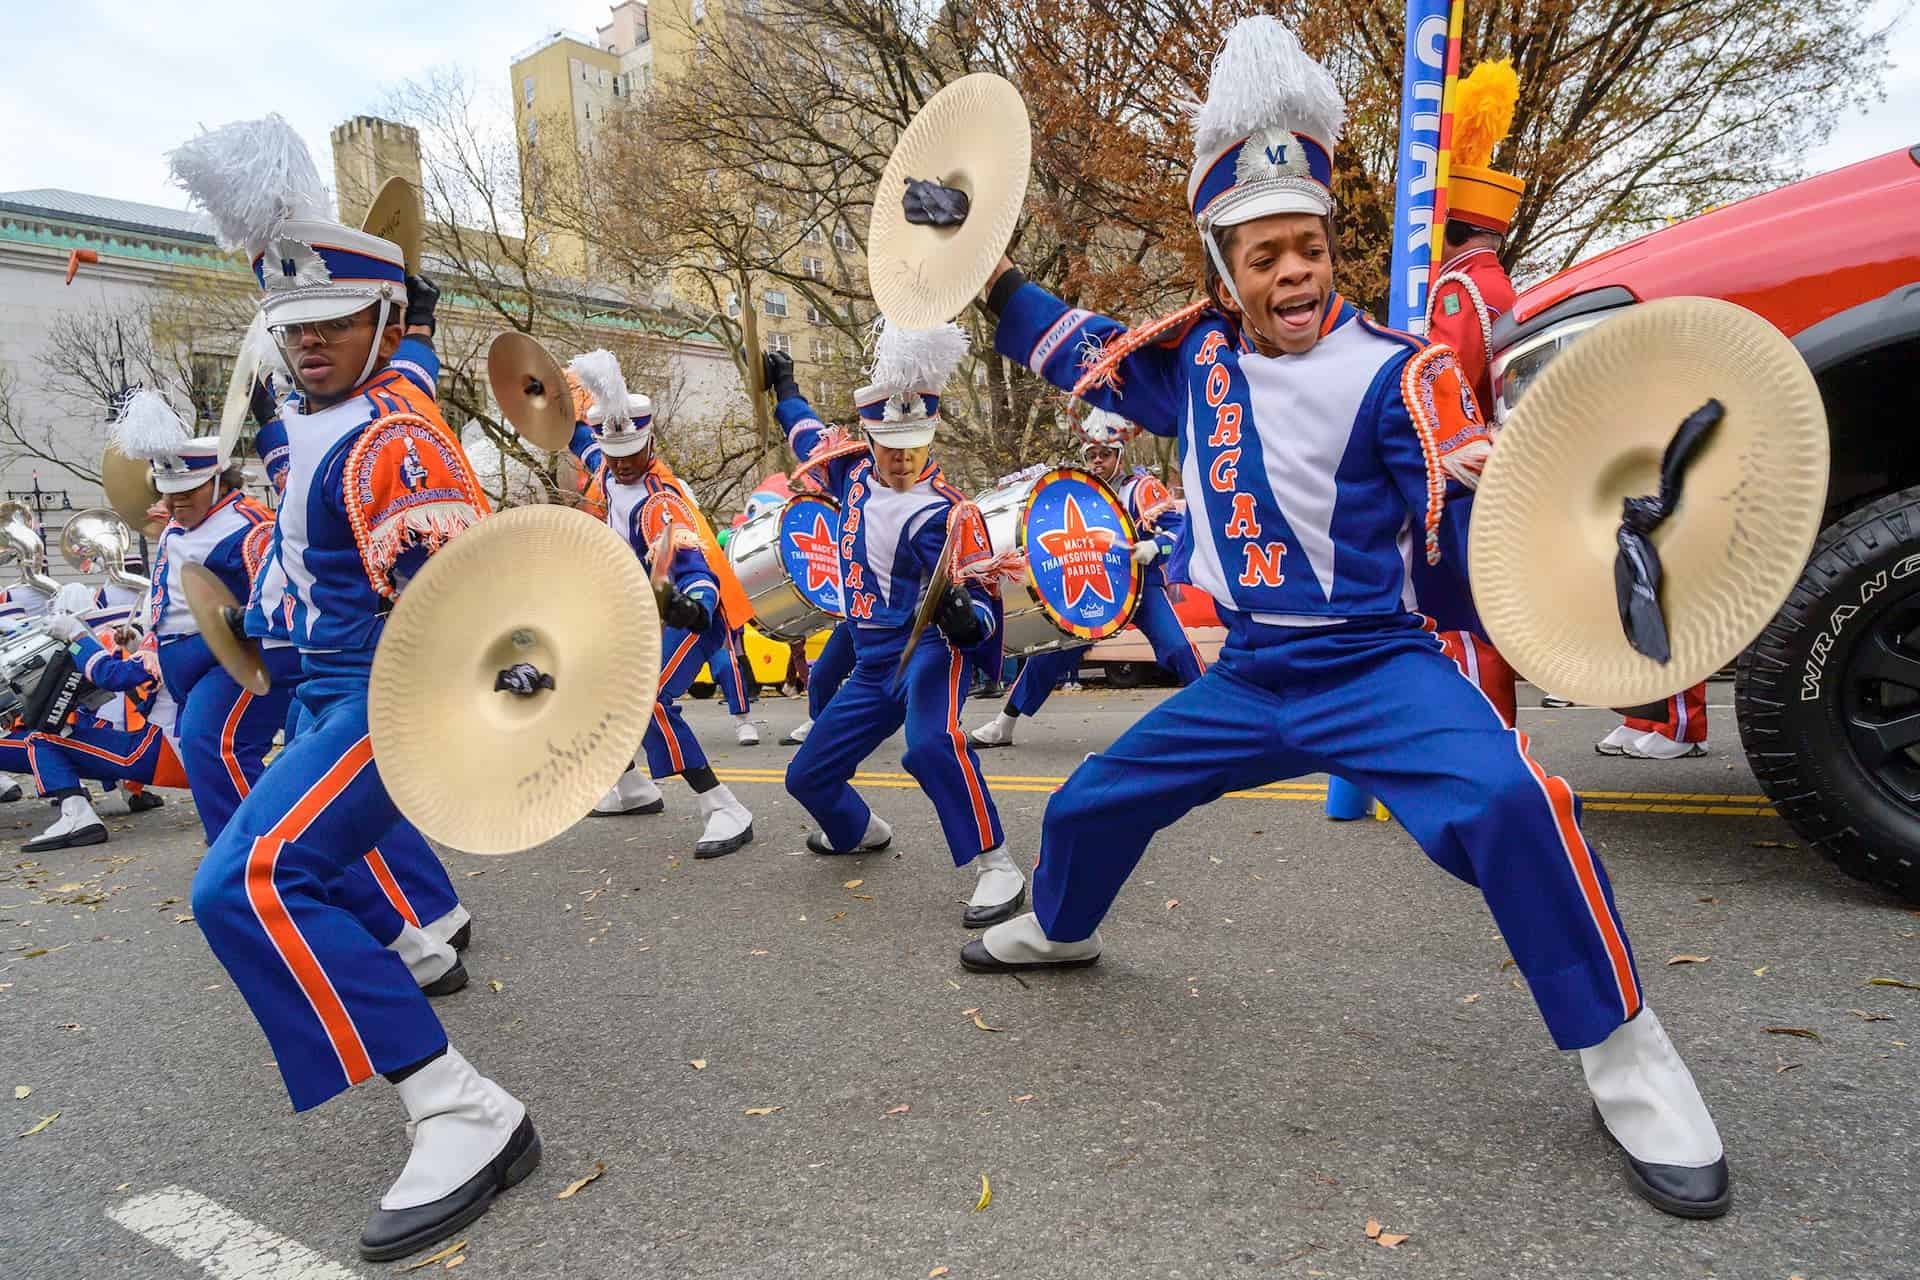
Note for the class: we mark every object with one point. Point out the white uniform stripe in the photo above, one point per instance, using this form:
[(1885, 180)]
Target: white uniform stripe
[(221, 1243)]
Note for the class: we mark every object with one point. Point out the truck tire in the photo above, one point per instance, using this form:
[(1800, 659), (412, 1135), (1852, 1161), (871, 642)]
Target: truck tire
[(1828, 698), (1124, 675)]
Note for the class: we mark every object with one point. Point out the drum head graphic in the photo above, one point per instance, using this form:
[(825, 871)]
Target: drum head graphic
[(810, 552), (1079, 545)]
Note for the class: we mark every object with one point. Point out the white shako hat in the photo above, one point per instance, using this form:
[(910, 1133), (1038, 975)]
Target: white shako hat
[(1104, 429), (259, 184), (620, 435), (150, 431), (1263, 140), (900, 408)]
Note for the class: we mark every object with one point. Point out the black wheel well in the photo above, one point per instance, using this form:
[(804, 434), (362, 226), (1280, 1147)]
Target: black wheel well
[(1873, 405)]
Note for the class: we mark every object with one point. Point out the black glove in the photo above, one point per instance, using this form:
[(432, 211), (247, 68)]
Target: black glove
[(957, 618), (261, 404), (776, 374), (422, 298), (928, 204), (678, 609)]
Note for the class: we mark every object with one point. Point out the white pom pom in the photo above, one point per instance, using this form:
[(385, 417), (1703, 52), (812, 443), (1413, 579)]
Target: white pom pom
[(1261, 78), (599, 373), (74, 597), (905, 359), (250, 177), (148, 428)]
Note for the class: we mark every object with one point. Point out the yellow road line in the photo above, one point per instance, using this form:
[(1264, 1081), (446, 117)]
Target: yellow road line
[(1703, 804)]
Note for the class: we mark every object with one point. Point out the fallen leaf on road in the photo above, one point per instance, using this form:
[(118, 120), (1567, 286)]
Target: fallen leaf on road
[(1761, 972), (496, 984), (980, 1023), (1508, 963), (441, 1256), (864, 897), (1773, 844), (1373, 1229), (853, 884), (1470, 999), (698, 1064), (183, 919), (1172, 903), (1388, 1240), (1689, 959), (123, 1186), (44, 1122), (762, 1111), (1707, 900), (458, 1259), (1025, 1097), (936, 1273), (37, 951), (72, 886), (1786, 1067), (1872, 982), (599, 1167), (1864, 1016), (1802, 1032), (901, 1110), (21, 1091), (759, 953), (986, 1194), (472, 874), (836, 916)]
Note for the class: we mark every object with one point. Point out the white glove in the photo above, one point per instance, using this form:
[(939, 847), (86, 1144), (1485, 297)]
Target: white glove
[(65, 627), (1145, 552)]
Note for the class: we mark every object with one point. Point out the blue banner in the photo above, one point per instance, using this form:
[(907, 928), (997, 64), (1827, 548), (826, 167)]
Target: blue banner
[(1422, 89)]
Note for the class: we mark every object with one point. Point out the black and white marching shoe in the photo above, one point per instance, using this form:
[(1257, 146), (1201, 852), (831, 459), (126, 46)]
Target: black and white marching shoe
[(435, 965), (143, 801), (1646, 1102), (797, 734), (729, 825), (999, 889), (878, 836), (77, 826), (633, 793), (471, 1141), (455, 928), (1020, 943), (997, 732)]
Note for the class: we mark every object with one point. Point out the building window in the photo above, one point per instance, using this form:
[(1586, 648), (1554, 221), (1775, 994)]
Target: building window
[(543, 244), (526, 90), (775, 302), (814, 234), (813, 268), (733, 306), (533, 130), (842, 238), (780, 342), (765, 217), (822, 351), (815, 315), (589, 107), (603, 78), (577, 67)]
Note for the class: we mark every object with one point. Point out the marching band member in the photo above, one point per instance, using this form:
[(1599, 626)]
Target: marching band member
[(1104, 436), (1472, 292), (729, 676), (375, 484), (898, 519), (1318, 451), (644, 497), (825, 675), (1681, 734)]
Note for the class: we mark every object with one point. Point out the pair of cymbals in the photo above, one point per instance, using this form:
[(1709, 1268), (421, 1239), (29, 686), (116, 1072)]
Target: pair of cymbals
[(531, 389), (128, 483)]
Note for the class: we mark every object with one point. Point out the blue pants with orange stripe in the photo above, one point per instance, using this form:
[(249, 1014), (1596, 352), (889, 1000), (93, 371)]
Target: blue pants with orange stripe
[(727, 667), (105, 755), (335, 1004), (670, 745), (830, 670), (865, 712), (225, 734), (1172, 649), (1380, 703)]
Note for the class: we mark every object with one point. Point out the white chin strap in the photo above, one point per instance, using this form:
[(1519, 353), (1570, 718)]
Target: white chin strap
[(380, 327), (1226, 278)]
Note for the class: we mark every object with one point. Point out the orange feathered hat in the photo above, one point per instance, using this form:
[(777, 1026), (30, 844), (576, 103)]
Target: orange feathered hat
[(1478, 194)]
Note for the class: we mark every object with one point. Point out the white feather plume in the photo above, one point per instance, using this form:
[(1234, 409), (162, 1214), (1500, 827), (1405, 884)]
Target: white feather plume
[(1261, 78), (905, 359), (250, 176), (259, 347), (148, 428), (599, 374)]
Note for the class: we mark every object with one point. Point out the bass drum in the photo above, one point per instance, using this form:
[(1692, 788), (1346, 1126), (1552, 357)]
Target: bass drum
[(1081, 584), (788, 561)]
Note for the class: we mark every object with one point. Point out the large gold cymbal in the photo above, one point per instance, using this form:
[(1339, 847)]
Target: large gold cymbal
[(395, 215), (531, 389), (213, 607), (129, 487), (546, 599)]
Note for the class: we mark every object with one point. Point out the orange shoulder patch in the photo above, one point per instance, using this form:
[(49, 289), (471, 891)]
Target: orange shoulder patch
[(408, 484)]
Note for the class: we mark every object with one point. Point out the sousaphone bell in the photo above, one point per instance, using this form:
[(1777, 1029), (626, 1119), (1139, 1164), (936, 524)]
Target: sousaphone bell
[(531, 389)]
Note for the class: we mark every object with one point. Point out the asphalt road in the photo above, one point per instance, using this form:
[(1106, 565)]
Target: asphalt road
[(1298, 1027)]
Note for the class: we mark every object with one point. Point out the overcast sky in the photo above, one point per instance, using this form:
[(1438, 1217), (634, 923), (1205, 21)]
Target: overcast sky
[(95, 93)]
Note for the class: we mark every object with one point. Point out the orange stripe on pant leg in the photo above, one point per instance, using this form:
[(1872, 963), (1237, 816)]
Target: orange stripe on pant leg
[(1560, 799), (99, 753), (227, 733), (976, 791), (666, 732), (389, 885), (285, 936), (294, 823)]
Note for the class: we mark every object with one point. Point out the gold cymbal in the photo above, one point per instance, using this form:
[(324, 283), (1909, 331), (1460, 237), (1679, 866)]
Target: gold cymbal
[(514, 679), (531, 389), (129, 486), (212, 605), (1591, 432), (973, 135), (395, 215)]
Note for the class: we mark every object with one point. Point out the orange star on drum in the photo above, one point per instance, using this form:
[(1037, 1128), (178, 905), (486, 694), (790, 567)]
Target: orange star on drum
[(1082, 553), (823, 558)]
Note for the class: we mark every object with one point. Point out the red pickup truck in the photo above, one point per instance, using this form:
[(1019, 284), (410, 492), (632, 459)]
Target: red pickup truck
[(1828, 698)]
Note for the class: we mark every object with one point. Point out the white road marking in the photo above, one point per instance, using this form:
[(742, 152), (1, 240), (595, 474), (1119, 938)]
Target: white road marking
[(219, 1241)]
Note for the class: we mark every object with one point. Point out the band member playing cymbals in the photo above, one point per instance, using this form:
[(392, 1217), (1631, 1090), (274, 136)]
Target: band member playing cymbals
[(1319, 451), (644, 501), (1103, 439), (376, 483), (904, 532)]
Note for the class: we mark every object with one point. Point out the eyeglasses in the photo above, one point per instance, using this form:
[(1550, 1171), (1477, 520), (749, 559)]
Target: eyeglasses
[(289, 335)]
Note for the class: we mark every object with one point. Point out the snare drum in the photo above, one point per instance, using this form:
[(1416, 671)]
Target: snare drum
[(788, 561), (1081, 584)]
